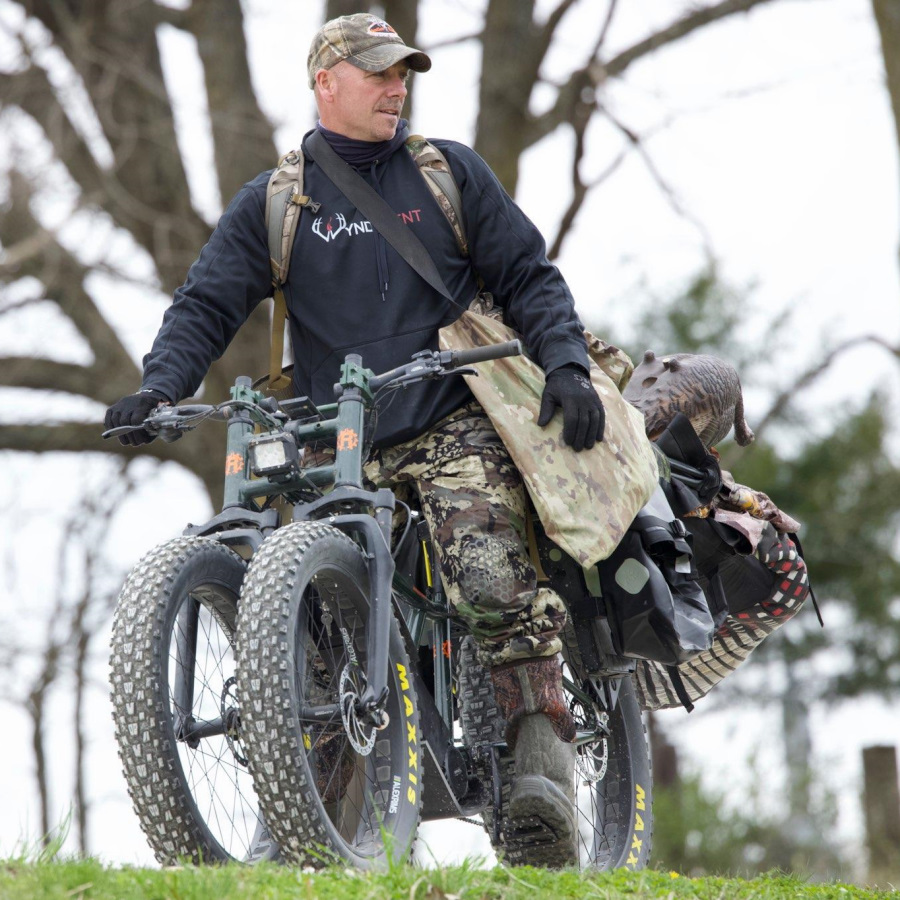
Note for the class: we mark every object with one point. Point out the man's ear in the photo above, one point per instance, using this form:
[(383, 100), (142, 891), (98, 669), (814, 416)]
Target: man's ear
[(325, 84)]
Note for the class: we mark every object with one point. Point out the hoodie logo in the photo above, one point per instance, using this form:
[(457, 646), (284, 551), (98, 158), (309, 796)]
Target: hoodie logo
[(337, 224), (330, 232)]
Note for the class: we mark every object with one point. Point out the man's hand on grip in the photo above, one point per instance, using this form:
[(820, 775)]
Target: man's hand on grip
[(132, 410)]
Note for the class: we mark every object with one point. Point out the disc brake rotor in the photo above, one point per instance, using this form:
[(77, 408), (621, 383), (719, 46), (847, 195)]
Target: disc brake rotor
[(231, 716), (593, 756), (360, 733)]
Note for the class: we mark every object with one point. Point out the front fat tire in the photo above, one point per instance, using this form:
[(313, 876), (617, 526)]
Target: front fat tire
[(193, 802), (304, 615)]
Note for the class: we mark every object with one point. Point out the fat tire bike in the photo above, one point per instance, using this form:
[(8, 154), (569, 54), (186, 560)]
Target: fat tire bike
[(290, 683)]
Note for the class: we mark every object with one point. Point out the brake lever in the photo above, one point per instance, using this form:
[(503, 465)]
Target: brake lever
[(432, 373), (167, 433), (121, 429), (462, 370)]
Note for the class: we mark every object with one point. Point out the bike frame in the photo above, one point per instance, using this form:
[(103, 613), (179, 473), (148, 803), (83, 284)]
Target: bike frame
[(367, 516)]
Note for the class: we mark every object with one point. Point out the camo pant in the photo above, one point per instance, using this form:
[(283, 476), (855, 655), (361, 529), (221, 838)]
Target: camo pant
[(473, 499)]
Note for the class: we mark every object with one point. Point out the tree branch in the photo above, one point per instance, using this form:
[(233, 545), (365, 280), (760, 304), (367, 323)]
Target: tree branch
[(595, 72), (243, 137), (22, 252), (118, 60), (453, 42), (63, 277), (545, 35), (46, 374), (33, 93), (674, 32), (580, 191), (781, 402), (75, 437), (667, 190)]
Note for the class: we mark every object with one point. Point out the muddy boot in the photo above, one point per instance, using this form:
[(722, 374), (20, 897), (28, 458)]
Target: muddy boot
[(542, 827)]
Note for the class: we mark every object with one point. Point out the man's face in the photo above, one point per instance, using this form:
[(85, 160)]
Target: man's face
[(359, 104)]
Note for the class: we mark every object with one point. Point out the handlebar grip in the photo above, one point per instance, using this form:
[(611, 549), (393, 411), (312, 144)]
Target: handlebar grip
[(483, 354)]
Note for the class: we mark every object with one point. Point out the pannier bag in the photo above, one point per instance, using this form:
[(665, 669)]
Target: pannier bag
[(747, 557), (654, 603), (764, 590)]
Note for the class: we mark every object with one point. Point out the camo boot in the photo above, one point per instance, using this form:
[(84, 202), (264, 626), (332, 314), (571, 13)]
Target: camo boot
[(540, 730)]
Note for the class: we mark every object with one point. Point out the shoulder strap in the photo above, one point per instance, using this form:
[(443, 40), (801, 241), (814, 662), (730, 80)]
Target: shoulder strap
[(435, 169), (284, 202), (367, 200)]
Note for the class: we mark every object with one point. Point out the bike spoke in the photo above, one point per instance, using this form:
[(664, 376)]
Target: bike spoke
[(347, 781), (221, 787)]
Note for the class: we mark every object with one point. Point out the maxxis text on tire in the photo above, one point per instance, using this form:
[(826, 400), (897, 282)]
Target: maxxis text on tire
[(302, 643)]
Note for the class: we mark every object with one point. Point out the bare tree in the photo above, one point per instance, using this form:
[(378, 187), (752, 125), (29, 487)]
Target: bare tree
[(130, 174), (62, 660)]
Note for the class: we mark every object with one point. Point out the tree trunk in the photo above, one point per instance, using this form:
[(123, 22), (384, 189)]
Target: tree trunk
[(887, 16), (798, 756), (882, 809), (663, 755), (507, 60)]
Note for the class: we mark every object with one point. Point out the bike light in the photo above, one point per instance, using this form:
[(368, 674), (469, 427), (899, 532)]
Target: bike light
[(273, 455)]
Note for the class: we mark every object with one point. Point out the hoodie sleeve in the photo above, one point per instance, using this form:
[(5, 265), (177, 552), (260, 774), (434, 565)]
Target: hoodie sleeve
[(226, 283), (509, 253)]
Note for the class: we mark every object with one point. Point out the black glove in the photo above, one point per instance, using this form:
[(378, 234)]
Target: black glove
[(132, 410), (584, 418)]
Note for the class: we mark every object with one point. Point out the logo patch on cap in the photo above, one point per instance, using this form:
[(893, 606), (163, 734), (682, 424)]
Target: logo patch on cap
[(379, 26)]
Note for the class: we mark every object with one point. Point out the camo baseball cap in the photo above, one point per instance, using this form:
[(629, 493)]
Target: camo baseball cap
[(364, 40)]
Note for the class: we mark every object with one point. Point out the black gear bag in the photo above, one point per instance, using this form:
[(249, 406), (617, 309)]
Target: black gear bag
[(654, 603)]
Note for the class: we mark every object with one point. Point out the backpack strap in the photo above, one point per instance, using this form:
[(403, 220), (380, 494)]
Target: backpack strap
[(434, 168), (285, 201)]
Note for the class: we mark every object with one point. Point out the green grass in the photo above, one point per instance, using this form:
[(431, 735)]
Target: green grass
[(90, 880)]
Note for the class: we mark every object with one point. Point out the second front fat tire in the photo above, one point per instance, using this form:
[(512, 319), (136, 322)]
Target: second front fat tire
[(330, 785)]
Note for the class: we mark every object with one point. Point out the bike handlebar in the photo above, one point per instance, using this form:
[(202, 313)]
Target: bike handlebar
[(435, 363), (483, 354), (170, 421)]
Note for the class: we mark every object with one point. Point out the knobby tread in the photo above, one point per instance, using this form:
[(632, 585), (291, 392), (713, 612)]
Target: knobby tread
[(145, 746), (482, 723), (287, 796)]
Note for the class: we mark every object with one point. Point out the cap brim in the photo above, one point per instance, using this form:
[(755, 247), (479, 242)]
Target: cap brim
[(383, 56)]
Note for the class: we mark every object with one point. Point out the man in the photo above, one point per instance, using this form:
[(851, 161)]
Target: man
[(349, 291)]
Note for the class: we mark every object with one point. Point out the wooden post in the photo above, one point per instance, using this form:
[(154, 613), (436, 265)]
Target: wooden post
[(664, 756), (882, 809)]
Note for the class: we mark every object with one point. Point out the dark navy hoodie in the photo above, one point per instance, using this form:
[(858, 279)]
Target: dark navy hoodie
[(349, 291)]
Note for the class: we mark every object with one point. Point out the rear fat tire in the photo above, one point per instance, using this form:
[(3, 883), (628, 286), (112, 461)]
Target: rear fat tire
[(323, 797), (614, 816), (193, 803)]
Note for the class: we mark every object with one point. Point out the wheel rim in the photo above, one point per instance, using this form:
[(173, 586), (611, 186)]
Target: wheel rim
[(202, 695), (352, 775), (591, 765)]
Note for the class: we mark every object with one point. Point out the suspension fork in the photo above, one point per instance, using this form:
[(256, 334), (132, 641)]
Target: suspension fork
[(443, 674), (374, 532), (187, 625)]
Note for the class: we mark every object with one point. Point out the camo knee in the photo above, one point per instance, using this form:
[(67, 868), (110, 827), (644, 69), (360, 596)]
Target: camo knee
[(492, 572)]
